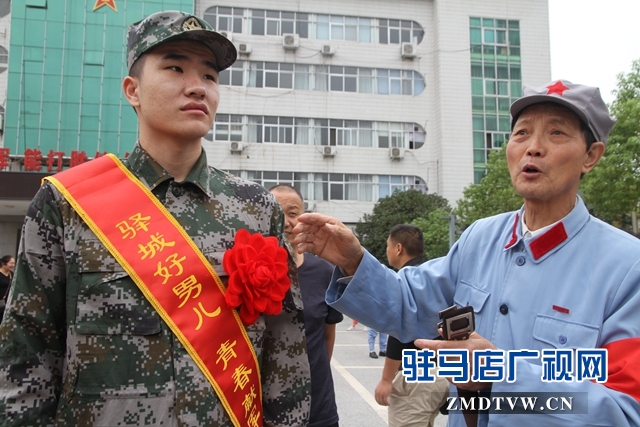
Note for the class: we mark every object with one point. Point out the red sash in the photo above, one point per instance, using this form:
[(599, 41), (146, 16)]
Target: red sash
[(173, 275)]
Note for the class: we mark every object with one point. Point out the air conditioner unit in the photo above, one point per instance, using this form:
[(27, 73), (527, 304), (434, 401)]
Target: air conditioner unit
[(309, 206), (327, 50), (236, 147), (329, 151), (227, 34), (396, 153), (244, 48), (409, 50), (290, 41)]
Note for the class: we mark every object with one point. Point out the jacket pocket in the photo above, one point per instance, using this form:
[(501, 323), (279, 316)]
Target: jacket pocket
[(118, 347), (467, 294), (558, 333), (110, 303)]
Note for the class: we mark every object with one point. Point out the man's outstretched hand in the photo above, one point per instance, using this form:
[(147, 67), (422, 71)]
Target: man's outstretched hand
[(330, 239)]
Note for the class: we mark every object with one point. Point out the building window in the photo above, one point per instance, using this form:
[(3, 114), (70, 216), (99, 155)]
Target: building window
[(233, 76), (343, 79), (5, 7), (336, 186), (313, 26), (323, 78), (310, 131), (228, 127), (276, 23), (278, 129), (4, 58), (397, 31), (225, 18), (496, 81)]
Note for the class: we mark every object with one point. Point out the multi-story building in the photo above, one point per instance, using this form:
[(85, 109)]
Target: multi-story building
[(347, 101)]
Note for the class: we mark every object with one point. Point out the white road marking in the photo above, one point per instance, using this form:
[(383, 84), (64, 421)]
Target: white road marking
[(360, 389)]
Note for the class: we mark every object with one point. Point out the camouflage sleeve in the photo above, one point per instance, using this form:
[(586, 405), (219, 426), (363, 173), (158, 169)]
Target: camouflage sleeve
[(32, 334), (286, 376), (286, 379)]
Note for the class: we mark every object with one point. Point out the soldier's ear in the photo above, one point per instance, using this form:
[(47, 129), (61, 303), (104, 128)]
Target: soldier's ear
[(130, 87)]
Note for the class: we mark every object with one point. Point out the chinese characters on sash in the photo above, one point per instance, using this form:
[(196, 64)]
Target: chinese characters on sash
[(172, 270)]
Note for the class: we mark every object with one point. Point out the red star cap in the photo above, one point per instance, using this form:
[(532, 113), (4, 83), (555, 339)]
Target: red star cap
[(583, 100)]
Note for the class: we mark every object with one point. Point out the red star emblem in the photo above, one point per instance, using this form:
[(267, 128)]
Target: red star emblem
[(557, 87), (110, 3)]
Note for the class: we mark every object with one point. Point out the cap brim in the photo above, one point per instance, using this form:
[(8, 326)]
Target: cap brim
[(224, 51), (520, 104)]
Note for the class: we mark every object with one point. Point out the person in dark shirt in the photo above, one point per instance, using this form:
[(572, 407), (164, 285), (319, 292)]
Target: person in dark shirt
[(7, 264), (410, 404), (314, 275)]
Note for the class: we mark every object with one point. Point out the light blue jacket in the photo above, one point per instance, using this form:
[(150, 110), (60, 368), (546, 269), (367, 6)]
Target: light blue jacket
[(577, 285)]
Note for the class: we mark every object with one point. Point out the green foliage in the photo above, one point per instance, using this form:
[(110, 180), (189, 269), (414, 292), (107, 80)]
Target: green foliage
[(402, 207), (435, 229), (612, 188), (493, 195)]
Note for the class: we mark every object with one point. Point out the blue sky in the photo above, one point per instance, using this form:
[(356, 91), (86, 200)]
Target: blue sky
[(594, 40)]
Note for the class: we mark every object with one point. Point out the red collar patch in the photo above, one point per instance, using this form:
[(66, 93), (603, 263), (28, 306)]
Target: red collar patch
[(514, 236), (548, 241)]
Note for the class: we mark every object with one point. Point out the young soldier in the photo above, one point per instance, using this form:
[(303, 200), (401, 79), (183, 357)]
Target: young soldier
[(117, 315)]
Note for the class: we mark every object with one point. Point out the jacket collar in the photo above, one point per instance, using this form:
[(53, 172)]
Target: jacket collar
[(414, 262), (543, 245), (152, 174)]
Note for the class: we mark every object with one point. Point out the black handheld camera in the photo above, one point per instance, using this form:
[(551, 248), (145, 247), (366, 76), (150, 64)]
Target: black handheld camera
[(457, 323)]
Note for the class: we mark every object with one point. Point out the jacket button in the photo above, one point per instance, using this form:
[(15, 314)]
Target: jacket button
[(562, 339), (504, 309), (176, 191), (520, 260)]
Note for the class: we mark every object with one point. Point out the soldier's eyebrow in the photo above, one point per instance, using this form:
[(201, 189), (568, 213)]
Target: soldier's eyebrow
[(172, 56)]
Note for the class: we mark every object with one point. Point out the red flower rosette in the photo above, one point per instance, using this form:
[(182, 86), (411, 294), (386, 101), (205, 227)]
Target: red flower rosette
[(258, 272)]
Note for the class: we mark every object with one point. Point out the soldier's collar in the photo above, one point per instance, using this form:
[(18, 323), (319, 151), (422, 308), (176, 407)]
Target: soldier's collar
[(152, 174)]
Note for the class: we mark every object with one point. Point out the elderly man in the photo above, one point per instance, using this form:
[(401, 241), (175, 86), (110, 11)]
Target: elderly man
[(314, 275), (547, 277), (120, 311)]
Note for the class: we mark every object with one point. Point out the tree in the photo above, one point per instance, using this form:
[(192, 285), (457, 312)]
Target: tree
[(435, 229), (612, 188), (402, 207), (493, 195)]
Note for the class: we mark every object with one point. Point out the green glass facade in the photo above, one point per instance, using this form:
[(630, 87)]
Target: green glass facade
[(496, 81), (66, 65)]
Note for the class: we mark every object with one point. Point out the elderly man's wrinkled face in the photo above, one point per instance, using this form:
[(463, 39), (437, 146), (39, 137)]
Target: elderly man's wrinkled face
[(292, 207), (547, 154)]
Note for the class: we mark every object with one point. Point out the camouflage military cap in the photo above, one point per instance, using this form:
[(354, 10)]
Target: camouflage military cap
[(174, 25)]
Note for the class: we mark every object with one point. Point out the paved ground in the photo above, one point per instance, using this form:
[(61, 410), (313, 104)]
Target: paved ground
[(355, 376)]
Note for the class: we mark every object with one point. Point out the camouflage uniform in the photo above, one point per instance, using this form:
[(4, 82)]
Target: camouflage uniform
[(80, 344)]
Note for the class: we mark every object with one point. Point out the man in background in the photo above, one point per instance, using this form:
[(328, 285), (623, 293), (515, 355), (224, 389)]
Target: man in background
[(410, 404), (314, 275), (382, 343)]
